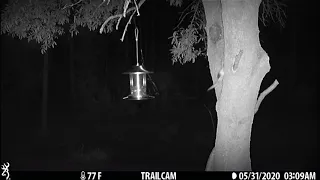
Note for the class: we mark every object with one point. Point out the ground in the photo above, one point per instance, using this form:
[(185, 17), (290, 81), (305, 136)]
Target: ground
[(180, 138)]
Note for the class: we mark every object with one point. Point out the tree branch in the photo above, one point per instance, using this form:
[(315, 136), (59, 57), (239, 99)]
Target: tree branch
[(183, 14), (103, 2), (67, 6), (264, 94), (120, 15), (125, 29), (273, 9), (137, 8)]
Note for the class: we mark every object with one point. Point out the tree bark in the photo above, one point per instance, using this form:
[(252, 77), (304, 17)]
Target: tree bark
[(234, 48)]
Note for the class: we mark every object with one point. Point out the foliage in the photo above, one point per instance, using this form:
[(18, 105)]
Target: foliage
[(175, 2), (44, 21), (184, 40), (35, 20), (92, 14)]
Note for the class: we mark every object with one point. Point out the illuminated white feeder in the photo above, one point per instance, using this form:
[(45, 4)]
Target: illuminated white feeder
[(138, 83), (138, 79)]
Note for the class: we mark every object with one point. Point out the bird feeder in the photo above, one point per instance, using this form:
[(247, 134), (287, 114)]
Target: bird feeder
[(138, 79)]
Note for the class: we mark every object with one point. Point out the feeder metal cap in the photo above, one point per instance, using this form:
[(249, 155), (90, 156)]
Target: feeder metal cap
[(139, 69)]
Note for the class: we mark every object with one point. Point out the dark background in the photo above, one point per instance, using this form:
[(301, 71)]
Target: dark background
[(97, 130)]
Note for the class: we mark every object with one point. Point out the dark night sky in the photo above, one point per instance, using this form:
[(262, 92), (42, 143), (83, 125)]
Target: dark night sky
[(292, 51)]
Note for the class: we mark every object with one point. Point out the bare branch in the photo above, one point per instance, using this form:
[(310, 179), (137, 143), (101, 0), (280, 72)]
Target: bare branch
[(103, 2), (109, 19), (272, 9), (125, 7), (67, 6), (119, 15), (117, 26), (182, 18), (135, 3), (264, 94), (125, 29), (183, 14), (195, 11)]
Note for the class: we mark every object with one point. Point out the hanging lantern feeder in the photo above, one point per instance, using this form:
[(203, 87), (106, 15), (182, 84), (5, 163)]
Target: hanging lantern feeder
[(138, 83), (138, 79)]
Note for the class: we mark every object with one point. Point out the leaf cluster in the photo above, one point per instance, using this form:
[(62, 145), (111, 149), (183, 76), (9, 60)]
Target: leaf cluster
[(35, 20), (183, 45), (177, 3), (44, 20), (184, 40), (92, 14)]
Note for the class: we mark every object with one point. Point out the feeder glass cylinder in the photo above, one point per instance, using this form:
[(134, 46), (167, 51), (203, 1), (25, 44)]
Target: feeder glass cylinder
[(138, 84)]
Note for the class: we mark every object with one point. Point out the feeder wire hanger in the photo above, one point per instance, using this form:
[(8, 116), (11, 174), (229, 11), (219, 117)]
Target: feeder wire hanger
[(136, 32), (137, 76), (136, 35)]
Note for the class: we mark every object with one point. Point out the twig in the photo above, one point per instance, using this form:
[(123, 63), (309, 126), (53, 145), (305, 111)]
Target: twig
[(119, 15), (183, 14), (220, 76), (135, 3), (185, 10), (264, 94), (271, 8), (117, 26), (103, 2), (125, 29), (67, 6), (109, 18), (183, 19), (209, 113), (195, 12), (125, 7)]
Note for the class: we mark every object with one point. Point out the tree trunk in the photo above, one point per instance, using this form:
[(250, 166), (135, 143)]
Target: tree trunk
[(44, 115), (234, 49)]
